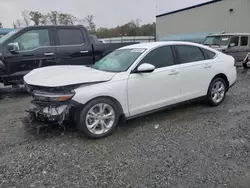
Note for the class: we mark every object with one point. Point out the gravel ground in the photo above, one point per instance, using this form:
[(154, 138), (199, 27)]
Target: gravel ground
[(190, 146)]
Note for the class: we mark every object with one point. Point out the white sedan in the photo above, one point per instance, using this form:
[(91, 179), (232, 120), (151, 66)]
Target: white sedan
[(129, 82)]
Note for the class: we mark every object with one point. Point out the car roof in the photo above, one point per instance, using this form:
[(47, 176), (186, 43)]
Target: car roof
[(151, 45)]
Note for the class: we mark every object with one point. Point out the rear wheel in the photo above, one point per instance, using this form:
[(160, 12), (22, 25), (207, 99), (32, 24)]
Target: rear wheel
[(98, 118), (217, 91)]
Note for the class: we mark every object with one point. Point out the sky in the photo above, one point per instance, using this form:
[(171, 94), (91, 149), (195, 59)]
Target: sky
[(107, 13)]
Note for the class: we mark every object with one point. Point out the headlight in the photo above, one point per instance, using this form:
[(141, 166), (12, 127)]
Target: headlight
[(50, 97), (64, 97)]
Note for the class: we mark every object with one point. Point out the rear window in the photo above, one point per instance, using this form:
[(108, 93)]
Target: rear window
[(208, 54), (70, 36)]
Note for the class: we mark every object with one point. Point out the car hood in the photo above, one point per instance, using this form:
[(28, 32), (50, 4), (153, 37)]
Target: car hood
[(56, 76)]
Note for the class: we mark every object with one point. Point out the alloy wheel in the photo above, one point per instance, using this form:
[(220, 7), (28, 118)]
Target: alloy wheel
[(100, 118), (218, 92)]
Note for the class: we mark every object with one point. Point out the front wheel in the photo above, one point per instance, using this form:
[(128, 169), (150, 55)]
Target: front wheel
[(217, 91), (98, 118)]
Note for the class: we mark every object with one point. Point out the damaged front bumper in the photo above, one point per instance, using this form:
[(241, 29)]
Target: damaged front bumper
[(50, 113), (46, 115), (50, 107)]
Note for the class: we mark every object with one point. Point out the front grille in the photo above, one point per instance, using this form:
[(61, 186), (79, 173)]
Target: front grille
[(60, 89)]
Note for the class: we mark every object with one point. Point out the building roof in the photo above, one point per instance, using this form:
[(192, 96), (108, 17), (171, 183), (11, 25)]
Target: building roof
[(231, 34), (4, 31), (188, 8), (191, 37)]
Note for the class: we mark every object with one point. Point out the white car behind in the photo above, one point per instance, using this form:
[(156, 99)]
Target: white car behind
[(129, 82)]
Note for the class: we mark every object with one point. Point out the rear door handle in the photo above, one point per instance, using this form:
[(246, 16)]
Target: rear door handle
[(173, 72), (207, 66), (84, 51), (48, 54)]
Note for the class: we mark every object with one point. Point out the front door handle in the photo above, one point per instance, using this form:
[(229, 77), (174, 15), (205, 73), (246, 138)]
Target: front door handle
[(173, 72), (207, 66), (49, 54), (84, 51)]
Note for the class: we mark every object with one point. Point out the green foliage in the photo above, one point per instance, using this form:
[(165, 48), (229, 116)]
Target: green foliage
[(132, 28), (128, 29), (36, 17)]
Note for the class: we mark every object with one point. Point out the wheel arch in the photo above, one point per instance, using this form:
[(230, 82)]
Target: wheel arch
[(121, 110), (224, 77)]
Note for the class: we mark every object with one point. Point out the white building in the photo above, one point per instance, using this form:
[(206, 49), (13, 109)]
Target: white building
[(213, 16)]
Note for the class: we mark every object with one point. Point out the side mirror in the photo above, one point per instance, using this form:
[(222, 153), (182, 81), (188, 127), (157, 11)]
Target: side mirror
[(145, 68), (13, 47)]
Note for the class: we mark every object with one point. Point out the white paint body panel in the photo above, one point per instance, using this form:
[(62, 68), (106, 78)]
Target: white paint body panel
[(141, 92), (54, 76), (149, 91)]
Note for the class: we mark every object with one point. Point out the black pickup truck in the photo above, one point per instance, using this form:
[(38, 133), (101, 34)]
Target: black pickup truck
[(23, 50)]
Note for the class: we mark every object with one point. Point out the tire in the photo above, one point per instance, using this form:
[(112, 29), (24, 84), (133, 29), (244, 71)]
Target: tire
[(86, 118), (213, 91)]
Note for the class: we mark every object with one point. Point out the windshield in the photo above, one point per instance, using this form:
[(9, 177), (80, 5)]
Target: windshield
[(217, 40), (119, 60), (5, 37)]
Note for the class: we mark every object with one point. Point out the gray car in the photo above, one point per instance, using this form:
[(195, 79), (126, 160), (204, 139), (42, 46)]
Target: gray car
[(234, 44)]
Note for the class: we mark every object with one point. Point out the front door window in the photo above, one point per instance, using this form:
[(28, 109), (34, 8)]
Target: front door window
[(33, 39)]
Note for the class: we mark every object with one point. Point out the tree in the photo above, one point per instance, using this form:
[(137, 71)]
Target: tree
[(26, 18), (18, 23), (36, 17), (132, 28), (14, 25), (66, 19), (1, 25), (53, 17), (90, 23), (45, 19)]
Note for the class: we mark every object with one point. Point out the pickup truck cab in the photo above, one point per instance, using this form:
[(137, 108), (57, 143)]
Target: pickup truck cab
[(234, 44), (23, 50)]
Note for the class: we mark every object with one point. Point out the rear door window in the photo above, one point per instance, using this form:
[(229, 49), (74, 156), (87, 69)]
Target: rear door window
[(188, 54), (70, 36)]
